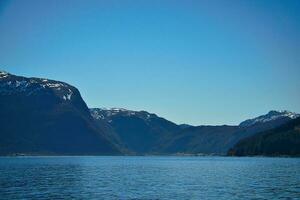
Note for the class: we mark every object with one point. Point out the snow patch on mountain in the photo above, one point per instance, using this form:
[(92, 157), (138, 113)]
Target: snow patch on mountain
[(108, 113), (3, 74), (96, 113), (10, 84), (271, 116), (102, 113)]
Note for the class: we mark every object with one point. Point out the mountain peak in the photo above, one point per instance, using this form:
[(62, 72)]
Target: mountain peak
[(12, 84), (108, 113), (3, 74), (270, 116), (283, 113)]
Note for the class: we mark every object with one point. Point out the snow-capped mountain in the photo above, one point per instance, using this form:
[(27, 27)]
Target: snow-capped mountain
[(106, 113), (143, 132), (43, 116), (271, 116), (279, 141), (139, 131), (12, 84)]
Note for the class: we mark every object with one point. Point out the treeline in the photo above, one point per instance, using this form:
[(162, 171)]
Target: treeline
[(281, 141)]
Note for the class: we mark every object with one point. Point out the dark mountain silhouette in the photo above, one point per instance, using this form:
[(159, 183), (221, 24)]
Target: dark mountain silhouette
[(283, 140), (145, 133), (41, 116), (139, 131), (219, 139)]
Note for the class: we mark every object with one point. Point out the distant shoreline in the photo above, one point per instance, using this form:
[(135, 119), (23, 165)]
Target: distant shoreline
[(148, 155)]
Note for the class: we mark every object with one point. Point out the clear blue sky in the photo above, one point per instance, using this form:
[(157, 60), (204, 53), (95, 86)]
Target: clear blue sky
[(197, 62)]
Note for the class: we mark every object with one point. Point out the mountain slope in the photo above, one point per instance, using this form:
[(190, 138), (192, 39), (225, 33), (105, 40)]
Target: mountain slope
[(201, 139), (283, 140), (42, 116), (219, 139), (139, 131), (145, 133), (273, 116)]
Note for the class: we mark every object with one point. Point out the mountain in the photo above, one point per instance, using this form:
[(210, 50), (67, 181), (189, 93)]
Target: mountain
[(219, 139), (184, 126), (139, 131), (283, 140), (145, 133), (201, 139), (42, 116), (272, 116)]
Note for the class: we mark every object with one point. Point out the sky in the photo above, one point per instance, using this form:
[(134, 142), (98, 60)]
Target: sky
[(196, 62)]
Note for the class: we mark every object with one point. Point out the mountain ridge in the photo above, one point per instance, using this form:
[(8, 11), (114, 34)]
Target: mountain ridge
[(270, 116), (186, 138), (280, 141), (45, 116), (140, 131)]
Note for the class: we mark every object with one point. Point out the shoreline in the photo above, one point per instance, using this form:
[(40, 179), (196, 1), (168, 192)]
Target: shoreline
[(148, 155)]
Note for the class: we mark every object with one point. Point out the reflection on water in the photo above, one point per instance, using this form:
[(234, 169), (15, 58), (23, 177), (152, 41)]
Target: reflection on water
[(149, 178)]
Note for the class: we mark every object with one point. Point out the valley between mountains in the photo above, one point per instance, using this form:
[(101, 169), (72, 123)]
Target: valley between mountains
[(47, 117)]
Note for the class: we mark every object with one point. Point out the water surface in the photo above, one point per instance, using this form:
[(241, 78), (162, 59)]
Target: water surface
[(149, 178)]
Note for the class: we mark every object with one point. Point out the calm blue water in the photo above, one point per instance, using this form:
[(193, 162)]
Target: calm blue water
[(149, 178)]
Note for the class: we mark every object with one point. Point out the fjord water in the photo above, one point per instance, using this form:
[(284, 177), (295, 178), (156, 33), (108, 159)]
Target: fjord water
[(149, 177)]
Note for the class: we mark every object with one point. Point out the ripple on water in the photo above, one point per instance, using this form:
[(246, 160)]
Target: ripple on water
[(149, 178)]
